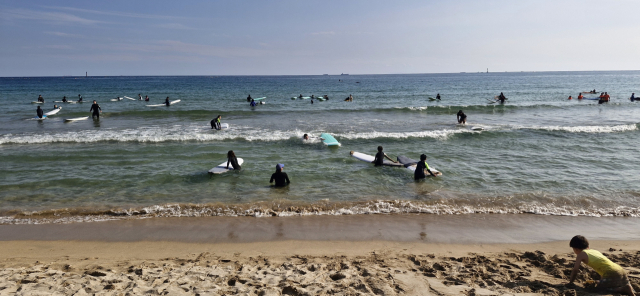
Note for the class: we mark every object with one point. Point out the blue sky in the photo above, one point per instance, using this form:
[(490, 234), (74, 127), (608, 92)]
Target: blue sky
[(53, 38)]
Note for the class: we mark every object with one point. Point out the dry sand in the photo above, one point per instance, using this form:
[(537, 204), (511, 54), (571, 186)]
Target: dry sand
[(297, 268)]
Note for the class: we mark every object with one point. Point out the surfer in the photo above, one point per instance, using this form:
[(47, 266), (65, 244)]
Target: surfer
[(279, 176), (96, 110), (139, 97), (580, 97), (253, 103), (300, 97), (633, 97), (166, 102), (326, 97), (215, 123), (305, 137), (570, 98), (462, 118), (40, 98), (64, 99), (379, 159), (249, 98), (146, 98), (421, 167), (604, 98), (39, 112), (311, 100), (233, 160), (438, 97), (79, 98), (502, 98), (55, 107)]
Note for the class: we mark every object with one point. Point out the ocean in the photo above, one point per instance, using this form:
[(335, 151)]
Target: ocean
[(537, 154)]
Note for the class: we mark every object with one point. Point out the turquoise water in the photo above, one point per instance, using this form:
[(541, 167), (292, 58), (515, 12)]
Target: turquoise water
[(538, 153)]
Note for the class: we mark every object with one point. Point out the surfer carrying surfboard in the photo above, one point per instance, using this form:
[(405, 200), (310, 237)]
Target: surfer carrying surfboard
[(462, 118), (96, 110), (421, 167), (280, 177), (380, 156)]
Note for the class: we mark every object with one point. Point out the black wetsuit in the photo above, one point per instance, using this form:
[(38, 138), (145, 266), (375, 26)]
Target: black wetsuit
[(438, 97), (64, 99), (281, 179), (419, 173), (96, 110), (166, 102), (234, 163), (461, 117), (379, 160), (40, 113)]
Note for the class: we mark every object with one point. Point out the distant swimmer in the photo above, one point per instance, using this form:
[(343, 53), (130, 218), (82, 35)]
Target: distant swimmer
[(139, 97), (253, 103), (633, 97), (380, 156), (79, 98), (326, 97), (40, 98), (233, 160), (421, 167), (300, 97), (462, 118), (570, 98), (64, 99), (604, 98), (95, 108), (39, 112), (502, 98), (438, 97), (146, 98), (56, 107), (580, 97), (305, 137), (280, 177), (215, 123), (249, 98), (350, 98)]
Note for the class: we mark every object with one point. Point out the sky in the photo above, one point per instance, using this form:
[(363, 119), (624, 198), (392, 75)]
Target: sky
[(254, 37)]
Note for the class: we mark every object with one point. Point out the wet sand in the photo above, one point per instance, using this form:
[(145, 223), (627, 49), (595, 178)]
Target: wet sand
[(347, 255)]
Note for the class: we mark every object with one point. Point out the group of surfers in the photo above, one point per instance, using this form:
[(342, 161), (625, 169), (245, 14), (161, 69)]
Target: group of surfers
[(603, 98), (95, 108)]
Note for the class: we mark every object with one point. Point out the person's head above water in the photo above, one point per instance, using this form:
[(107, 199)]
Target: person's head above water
[(306, 137), (38, 107), (279, 167), (380, 148), (231, 154), (423, 157)]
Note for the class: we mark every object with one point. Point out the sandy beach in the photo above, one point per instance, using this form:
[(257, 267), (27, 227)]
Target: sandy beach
[(165, 263)]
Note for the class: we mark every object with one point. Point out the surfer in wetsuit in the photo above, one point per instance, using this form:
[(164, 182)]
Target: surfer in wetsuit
[(79, 98), (249, 98), (501, 98), (95, 108), (166, 102), (215, 123), (39, 112), (300, 96), (438, 97), (326, 97), (233, 160), (421, 167), (40, 98), (633, 97), (64, 99), (462, 118), (280, 177), (253, 103), (139, 97), (379, 159)]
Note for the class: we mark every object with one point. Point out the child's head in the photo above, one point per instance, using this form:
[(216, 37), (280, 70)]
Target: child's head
[(423, 157), (579, 243), (380, 148)]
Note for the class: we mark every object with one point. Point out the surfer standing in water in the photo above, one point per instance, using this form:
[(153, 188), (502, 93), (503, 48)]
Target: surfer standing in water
[(280, 177), (95, 108), (253, 103), (462, 118), (421, 167), (380, 156), (438, 97), (39, 112), (166, 102), (249, 98), (40, 99), (215, 123), (502, 98), (79, 98), (233, 160)]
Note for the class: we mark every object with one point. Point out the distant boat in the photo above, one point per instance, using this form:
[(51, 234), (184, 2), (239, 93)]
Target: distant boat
[(344, 74)]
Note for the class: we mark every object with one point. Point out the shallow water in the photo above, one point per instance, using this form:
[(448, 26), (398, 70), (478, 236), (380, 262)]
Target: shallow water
[(538, 153)]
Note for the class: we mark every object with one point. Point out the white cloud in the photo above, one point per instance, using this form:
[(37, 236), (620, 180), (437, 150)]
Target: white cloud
[(51, 17)]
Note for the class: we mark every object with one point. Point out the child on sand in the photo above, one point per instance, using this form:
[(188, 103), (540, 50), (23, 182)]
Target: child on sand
[(612, 276)]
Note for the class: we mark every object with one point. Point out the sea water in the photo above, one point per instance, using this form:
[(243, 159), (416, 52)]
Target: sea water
[(538, 153)]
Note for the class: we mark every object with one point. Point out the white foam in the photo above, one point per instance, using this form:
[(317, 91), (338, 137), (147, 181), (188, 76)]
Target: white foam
[(586, 129), (436, 134)]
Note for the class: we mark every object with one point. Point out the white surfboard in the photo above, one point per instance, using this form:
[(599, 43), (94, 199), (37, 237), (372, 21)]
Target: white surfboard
[(222, 168), (76, 119), (160, 105), (370, 159), (52, 112), (411, 164), (130, 98), (477, 128), (36, 102)]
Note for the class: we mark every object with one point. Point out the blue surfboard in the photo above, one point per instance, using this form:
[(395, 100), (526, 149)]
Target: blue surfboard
[(329, 140)]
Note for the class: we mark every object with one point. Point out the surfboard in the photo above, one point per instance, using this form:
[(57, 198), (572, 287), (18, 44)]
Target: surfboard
[(160, 105), (115, 100), (223, 126), (591, 98), (130, 98), (431, 99), (38, 118), (410, 164), (36, 102), (222, 168), (259, 99), (52, 112), (76, 119), (329, 140), (477, 128), (369, 159)]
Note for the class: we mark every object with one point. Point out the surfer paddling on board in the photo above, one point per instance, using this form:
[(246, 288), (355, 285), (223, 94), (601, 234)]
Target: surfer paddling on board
[(215, 123), (462, 118), (95, 108), (280, 177), (421, 167), (233, 160), (380, 156), (39, 112)]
